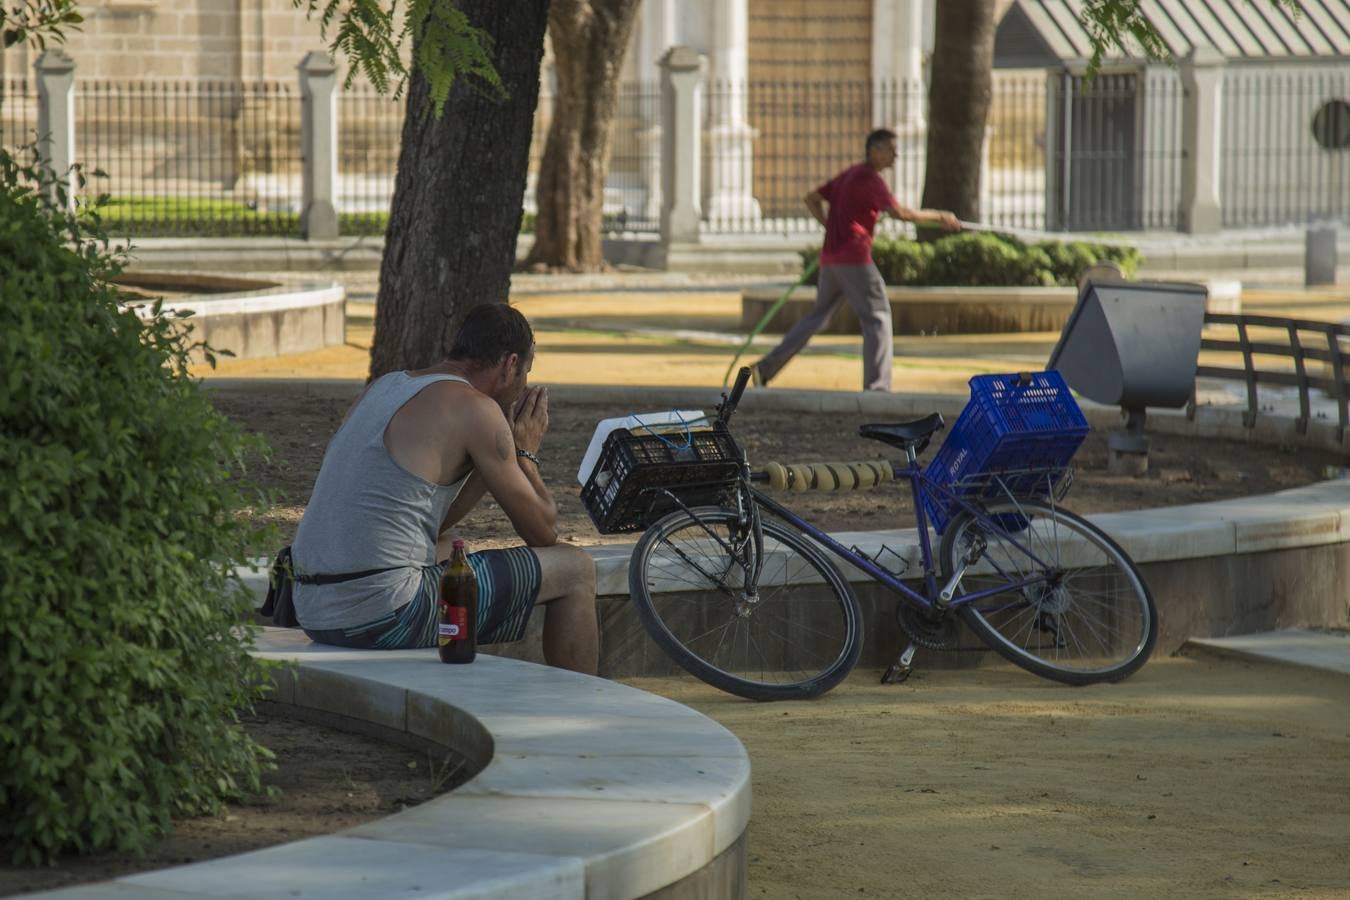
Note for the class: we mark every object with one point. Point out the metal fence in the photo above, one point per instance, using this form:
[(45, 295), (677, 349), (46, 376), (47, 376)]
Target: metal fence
[(1275, 351), (1285, 146), (216, 158), (1115, 148), (633, 188), (192, 158), (18, 114), (1012, 192), (370, 130), (768, 143), (797, 135)]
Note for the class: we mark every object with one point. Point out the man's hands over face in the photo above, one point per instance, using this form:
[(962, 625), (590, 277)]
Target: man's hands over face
[(529, 418)]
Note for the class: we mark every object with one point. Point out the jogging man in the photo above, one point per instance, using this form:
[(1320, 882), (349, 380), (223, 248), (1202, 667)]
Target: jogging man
[(415, 453), (854, 198)]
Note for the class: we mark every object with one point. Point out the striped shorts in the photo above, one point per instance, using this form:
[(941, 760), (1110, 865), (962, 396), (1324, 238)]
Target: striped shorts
[(508, 588)]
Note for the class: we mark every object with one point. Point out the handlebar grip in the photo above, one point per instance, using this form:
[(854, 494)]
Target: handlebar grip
[(728, 406)]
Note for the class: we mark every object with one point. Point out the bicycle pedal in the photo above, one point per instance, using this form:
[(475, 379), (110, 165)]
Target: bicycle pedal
[(896, 674)]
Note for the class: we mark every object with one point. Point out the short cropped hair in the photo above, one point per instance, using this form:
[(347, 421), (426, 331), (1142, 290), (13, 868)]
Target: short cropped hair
[(489, 332), (879, 136)]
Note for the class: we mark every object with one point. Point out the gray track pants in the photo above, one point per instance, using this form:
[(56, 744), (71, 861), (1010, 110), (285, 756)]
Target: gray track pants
[(864, 290)]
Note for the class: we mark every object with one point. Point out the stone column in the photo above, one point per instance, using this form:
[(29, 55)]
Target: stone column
[(56, 120), (731, 144), (318, 147), (682, 72), (1201, 118), (1319, 255), (899, 90), (897, 59), (656, 35)]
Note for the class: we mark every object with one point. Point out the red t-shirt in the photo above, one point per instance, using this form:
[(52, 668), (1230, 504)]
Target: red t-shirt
[(856, 196)]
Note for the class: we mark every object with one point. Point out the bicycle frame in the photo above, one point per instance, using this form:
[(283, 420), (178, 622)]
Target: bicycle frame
[(920, 486)]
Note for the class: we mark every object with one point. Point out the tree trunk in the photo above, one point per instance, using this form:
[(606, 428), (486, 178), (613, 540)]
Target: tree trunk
[(589, 39), (455, 215), (958, 104)]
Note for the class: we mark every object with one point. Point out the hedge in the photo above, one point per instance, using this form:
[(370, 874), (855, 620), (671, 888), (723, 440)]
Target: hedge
[(986, 259)]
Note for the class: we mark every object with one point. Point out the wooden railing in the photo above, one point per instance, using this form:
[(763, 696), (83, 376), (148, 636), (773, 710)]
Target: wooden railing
[(1303, 341)]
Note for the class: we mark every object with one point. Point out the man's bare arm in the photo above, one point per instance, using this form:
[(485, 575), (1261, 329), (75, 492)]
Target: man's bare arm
[(513, 480), (939, 217), (816, 204), (469, 495)]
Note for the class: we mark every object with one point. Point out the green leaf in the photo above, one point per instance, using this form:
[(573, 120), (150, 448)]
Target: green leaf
[(374, 36), (123, 660)]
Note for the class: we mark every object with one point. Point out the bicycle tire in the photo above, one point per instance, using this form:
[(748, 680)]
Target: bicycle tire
[(1100, 605), (672, 597)]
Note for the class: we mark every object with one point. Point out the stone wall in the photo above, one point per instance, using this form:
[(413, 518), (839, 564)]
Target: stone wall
[(184, 39)]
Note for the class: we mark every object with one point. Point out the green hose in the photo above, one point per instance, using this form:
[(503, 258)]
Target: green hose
[(809, 271)]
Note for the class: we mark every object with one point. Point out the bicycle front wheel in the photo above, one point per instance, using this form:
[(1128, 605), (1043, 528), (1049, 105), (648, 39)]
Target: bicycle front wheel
[(796, 635), (1073, 607)]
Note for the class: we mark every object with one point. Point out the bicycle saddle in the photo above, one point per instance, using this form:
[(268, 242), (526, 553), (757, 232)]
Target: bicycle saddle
[(904, 435)]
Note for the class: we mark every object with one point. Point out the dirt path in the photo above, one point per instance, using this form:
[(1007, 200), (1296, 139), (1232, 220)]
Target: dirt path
[(1195, 778), (1184, 470)]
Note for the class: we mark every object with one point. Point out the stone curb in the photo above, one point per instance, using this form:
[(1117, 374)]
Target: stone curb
[(1298, 647), (587, 789)]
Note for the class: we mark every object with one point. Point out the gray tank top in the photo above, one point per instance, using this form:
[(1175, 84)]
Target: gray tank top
[(368, 512)]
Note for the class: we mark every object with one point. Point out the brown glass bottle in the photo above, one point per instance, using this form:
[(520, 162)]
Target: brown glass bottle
[(458, 627)]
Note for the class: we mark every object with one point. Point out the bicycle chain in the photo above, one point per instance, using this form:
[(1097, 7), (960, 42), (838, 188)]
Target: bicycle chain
[(934, 634)]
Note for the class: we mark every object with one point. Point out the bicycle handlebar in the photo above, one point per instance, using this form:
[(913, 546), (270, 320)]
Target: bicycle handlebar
[(730, 401)]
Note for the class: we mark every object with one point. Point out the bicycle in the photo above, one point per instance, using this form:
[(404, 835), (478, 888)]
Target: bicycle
[(742, 593)]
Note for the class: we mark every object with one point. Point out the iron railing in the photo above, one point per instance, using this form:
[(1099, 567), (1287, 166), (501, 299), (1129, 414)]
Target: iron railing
[(1285, 145), (18, 113), (1115, 152), (218, 158), (370, 132), (1300, 341), (633, 188), (192, 158)]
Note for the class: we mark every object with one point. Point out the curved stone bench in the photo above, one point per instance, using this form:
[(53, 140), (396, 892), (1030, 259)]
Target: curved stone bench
[(254, 319), (585, 788)]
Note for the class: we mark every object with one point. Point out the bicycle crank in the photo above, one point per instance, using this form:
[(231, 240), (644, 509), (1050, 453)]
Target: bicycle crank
[(925, 629)]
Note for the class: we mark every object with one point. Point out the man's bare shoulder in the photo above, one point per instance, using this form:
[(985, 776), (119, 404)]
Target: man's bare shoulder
[(460, 402)]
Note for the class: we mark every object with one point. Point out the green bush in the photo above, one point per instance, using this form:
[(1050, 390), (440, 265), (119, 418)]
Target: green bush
[(904, 262), (124, 665), (976, 259), (987, 259)]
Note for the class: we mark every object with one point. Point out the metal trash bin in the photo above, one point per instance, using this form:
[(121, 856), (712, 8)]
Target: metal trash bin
[(1135, 345)]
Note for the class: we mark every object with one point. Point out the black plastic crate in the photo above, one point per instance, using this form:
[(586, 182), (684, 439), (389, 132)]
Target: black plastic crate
[(626, 489)]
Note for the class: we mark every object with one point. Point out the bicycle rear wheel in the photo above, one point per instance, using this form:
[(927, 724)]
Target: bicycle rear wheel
[(1086, 617), (796, 637)]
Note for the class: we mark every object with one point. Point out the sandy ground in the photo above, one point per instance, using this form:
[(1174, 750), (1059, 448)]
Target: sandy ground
[(690, 337), (1197, 777)]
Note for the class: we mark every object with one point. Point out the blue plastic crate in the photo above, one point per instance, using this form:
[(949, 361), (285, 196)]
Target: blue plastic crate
[(1026, 434)]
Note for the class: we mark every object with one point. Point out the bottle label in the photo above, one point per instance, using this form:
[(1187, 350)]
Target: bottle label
[(454, 625)]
